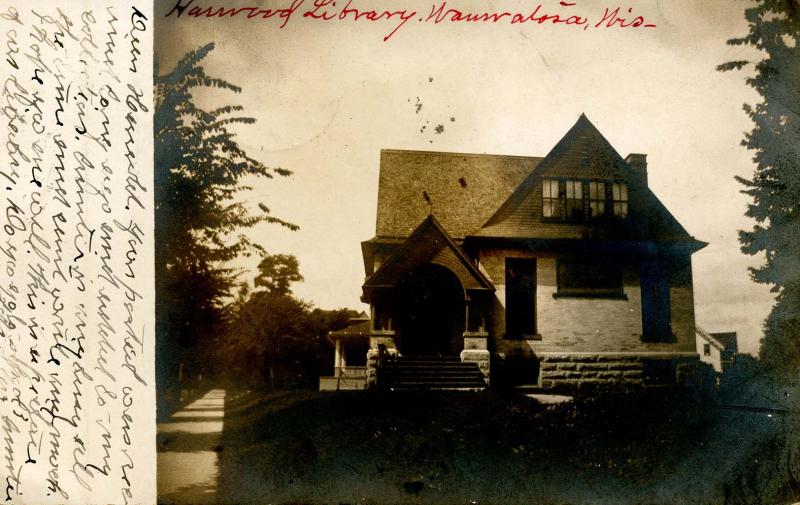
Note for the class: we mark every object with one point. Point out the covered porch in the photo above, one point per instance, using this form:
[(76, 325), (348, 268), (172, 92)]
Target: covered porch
[(428, 299), (349, 358)]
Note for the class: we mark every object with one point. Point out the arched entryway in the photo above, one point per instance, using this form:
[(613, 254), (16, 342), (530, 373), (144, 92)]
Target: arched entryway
[(429, 310)]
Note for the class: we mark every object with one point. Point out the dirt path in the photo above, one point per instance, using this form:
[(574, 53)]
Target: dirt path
[(188, 451)]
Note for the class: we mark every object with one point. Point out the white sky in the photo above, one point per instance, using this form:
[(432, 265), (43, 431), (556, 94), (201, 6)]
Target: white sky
[(328, 97)]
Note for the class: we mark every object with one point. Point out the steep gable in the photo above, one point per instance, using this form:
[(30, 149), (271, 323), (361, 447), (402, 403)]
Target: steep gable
[(583, 153), (429, 243)]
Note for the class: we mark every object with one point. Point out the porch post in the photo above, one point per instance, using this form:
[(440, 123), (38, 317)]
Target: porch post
[(476, 340), (337, 357), (466, 315)]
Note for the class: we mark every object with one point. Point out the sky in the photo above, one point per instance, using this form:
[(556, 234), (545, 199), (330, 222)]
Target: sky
[(328, 96)]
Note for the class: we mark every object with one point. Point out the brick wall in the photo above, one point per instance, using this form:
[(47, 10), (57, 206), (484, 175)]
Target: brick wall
[(585, 324)]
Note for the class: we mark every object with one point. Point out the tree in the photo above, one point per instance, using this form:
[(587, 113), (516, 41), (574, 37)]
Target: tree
[(774, 30), (276, 272), (200, 225), (268, 340), (272, 337)]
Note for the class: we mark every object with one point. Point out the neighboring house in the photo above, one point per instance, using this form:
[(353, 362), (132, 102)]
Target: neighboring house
[(717, 349), (564, 270), (349, 356)]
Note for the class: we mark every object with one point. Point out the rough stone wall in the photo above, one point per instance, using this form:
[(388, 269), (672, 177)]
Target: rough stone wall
[(592, 371), (373, 355), (583, 371), (481, 357)]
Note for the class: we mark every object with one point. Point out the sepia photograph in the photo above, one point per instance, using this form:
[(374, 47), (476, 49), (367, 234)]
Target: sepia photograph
[(477, 252)]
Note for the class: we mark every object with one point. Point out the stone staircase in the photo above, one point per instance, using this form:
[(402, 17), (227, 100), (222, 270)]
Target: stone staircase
[(431, 373)]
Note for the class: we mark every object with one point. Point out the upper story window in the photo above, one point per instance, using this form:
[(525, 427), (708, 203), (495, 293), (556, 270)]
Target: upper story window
[(597, 198), (619, 195), (574, 200), (550, 198)]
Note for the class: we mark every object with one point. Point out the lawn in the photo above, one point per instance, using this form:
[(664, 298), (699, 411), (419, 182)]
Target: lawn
[(488, 447)]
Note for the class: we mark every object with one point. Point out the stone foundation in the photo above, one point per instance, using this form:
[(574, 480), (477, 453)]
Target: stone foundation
[(479, 356), (598, 370), (378, 339)]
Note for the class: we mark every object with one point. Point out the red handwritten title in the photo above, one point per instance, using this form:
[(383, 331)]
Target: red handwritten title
[(440, 12)]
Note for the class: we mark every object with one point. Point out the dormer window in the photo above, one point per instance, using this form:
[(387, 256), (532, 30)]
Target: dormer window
[(550, 198), (577, 200), (619, 195), (597, 199)]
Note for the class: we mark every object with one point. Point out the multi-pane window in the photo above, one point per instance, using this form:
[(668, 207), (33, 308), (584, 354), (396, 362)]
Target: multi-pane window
[(597, 198), (619, 196), (550, 197), (565, 199), (574, 200)]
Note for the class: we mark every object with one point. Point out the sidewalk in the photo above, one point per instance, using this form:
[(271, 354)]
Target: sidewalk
[(188, 448)]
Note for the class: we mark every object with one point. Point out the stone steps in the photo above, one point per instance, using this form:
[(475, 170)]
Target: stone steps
[(432, 373)]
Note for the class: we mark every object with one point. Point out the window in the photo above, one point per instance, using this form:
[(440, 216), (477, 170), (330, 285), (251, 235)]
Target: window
[(520, 297), (706, 349), (574, 200), (584, 277), (565, 199), (656, 318), (619, 195), (550, 198), (597, 198)]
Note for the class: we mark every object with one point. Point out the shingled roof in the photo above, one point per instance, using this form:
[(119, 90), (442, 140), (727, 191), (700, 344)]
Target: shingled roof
[(497, 196), (584, 153), (429, 243), (462, 190)]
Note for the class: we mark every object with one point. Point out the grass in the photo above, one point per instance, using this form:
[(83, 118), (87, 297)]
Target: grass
[(307, 447)]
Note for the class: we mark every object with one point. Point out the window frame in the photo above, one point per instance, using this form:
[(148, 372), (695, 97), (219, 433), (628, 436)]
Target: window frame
[(620, 201), (514, 311), (574, 205), (554, 201), (600, 198), (654, 285), (617, 292), (579, 200)]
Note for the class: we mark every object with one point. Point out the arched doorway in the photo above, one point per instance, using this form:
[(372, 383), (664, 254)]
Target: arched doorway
[(429, 310)]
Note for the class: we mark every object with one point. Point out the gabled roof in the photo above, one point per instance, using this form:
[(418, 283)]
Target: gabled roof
[(479, 196), (727, 339), (583, 152), (360, 329), (429, 243), (709, 337), (462, 190)]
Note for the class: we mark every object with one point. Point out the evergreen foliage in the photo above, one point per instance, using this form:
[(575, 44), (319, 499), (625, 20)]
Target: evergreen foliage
[(774, 29)]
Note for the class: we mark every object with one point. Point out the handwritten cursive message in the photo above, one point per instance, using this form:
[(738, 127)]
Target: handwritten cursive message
[(76, 303), (557, 14)]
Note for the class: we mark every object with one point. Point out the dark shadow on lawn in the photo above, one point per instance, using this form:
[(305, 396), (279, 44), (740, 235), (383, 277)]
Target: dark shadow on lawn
[(182, 441), (307, 447)]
